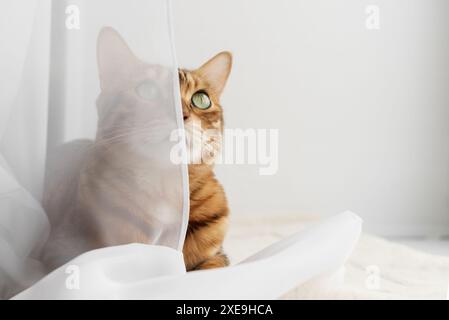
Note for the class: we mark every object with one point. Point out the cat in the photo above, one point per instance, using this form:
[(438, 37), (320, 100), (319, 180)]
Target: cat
[(208, 221), (121, 188)]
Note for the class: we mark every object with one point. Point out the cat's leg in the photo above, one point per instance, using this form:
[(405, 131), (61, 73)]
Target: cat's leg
[(220, 260)]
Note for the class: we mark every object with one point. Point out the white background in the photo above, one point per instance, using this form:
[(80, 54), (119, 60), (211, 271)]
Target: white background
[(363, 115)]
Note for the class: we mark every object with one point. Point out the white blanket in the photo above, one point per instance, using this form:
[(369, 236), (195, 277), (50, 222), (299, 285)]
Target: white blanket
[(377, 269)]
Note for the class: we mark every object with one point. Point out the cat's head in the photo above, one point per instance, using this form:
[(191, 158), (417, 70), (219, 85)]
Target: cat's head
[(201, 90), (136, 113), (135, 106)]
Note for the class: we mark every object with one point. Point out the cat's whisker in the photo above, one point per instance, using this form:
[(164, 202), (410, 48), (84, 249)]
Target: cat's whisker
[(112, 131), (151, 132)]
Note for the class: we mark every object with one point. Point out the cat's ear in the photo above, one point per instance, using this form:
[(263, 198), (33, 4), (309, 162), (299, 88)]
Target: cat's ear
[(216, 71), (115, 59)]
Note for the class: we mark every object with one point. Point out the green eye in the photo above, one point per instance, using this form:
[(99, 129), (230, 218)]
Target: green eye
[(201, 100)]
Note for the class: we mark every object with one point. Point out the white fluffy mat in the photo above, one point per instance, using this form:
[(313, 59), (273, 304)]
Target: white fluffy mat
[(377, 269)]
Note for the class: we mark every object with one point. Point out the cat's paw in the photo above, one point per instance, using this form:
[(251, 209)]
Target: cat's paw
[(220, 260)]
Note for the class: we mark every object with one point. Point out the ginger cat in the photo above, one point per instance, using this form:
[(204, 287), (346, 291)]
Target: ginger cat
[(200, 92), (117, 189)]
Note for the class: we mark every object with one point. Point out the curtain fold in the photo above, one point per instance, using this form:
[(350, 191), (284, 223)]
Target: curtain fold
[(24, 225)]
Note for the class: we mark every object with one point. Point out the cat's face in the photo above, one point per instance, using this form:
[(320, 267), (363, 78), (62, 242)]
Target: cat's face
[(135, 107), (203, 115)]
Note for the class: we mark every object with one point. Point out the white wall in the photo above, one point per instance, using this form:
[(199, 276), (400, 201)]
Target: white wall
[(363, 115)]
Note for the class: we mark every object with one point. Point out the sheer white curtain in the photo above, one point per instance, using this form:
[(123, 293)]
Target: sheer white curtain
[(23, 135), (53, 73)]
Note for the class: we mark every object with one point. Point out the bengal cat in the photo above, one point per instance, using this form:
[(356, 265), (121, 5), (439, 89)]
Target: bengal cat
[(200, 91)]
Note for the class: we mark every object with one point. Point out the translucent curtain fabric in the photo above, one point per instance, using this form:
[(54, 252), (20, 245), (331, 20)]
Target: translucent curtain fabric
[(86, 133), (114, 107), (23, 132)]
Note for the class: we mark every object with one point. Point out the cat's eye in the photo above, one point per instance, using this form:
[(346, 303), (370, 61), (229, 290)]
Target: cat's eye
[(148, 90), (201, 100)]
